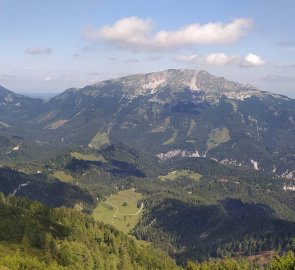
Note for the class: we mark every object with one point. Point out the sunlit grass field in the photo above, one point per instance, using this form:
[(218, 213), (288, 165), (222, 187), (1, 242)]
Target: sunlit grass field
[(120, 210)]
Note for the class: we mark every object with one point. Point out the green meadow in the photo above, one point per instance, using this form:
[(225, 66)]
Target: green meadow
[(120, 210), (171, 176)]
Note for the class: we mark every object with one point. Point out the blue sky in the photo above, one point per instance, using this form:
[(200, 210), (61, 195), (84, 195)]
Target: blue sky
[(49, 46)]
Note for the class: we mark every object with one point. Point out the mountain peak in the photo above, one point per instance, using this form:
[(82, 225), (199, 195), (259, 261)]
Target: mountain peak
[(148, 83), (199, 82), (176, 80)]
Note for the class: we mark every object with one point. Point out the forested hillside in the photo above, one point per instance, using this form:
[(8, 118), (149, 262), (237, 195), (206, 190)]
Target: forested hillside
[(33, 236)]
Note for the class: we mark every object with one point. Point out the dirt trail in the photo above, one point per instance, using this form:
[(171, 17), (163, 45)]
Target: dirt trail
[(117, 210), (141, 207)]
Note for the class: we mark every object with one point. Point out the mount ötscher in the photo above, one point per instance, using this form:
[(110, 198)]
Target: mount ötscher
[(171, 114)]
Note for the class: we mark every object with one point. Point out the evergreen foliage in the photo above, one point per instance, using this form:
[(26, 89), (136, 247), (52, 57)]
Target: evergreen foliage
[(61, 238)]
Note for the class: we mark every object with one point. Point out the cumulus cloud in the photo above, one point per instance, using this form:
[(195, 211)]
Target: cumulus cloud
[(136, 33), (252, 60), (221, 59), (37, 50)]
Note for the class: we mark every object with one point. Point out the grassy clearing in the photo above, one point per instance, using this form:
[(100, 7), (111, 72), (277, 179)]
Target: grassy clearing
[(100, 139), (172, 176), (89, 157), (192, 127), (172, 139), (120, 210), (57, 124), (217, 136), (62, 176)]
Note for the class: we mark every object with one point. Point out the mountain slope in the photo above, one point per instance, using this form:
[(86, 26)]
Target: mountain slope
[(14, 108), (44, 189), (179, 112), (62, 238), (218, 230)]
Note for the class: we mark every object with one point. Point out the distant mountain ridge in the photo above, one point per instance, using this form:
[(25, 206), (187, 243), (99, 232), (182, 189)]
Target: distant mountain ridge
[(15, 108), (152, 83), (170, 113)]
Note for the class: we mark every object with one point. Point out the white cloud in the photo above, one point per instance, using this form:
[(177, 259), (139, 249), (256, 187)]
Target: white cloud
[(221, 59), (129, 30), (252, 60), (47, 79), (136, 33), (36, 50)]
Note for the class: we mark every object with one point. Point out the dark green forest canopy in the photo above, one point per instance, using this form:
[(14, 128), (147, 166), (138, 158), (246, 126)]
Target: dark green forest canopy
[(35, 237), (60, 238)]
